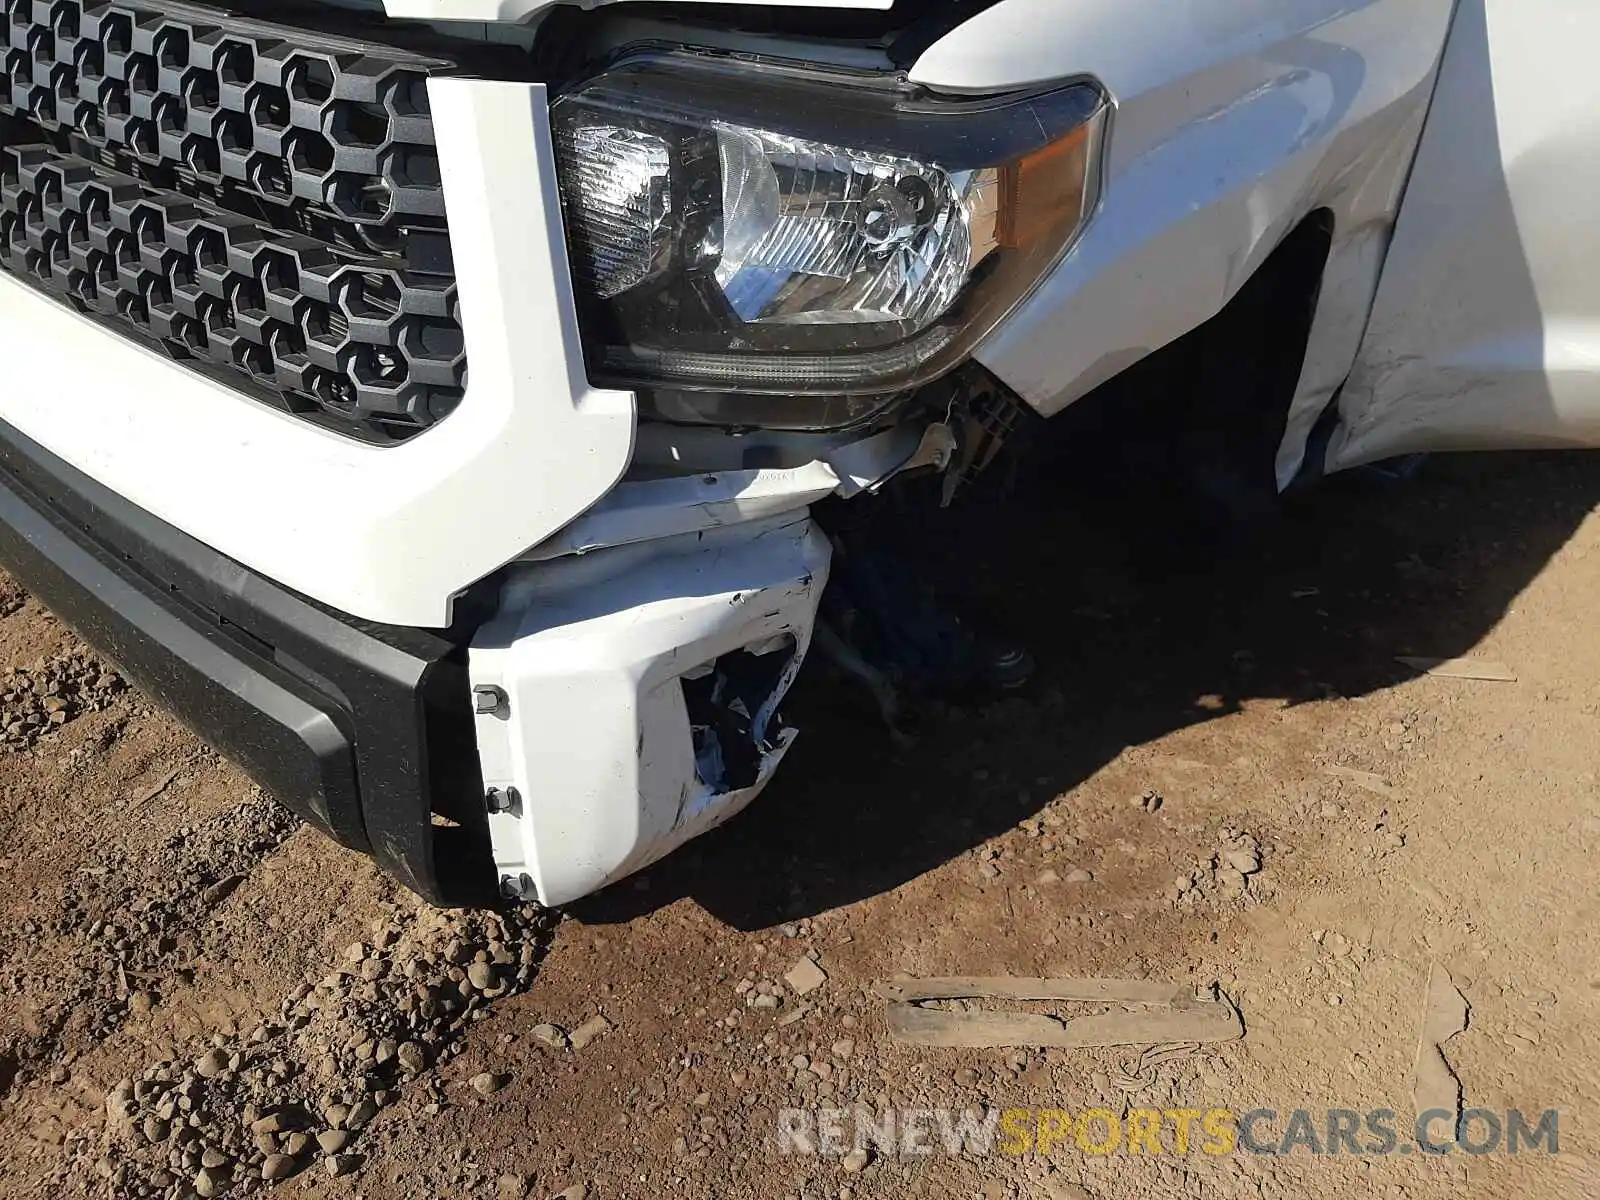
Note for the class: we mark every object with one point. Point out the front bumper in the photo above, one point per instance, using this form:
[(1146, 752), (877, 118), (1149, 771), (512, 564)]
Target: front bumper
[(635, 687), (363, 729), (628, 697)]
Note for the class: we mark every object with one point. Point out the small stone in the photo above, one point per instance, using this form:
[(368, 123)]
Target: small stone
[(210, 1065), (966, 1077), (588, 1031), (341, 1164), (578, 1191), (412, 1058), (511, 1187), (208, 1182), (331, 1141), (271, 1123), (119, 1095), (844, 1048), (141, 1002), (550, 1035), (362, 1113), (481, 976), (1079, 875), (856, 1161), (486, 1083), (297, 1144), (277, 1166), (988, 870), (794, 1014), (355, 952), (1246, 862), (1334, 999), (216, 1160), (766, 1000), (805, 977), (1047, 877)]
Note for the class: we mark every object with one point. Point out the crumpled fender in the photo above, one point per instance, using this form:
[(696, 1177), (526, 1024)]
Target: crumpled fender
[(1231, 123)]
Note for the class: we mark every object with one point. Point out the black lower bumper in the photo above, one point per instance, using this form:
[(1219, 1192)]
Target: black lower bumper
[(363, 729)]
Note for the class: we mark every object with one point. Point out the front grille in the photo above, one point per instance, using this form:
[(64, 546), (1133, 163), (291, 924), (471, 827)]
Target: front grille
[(259, 201)]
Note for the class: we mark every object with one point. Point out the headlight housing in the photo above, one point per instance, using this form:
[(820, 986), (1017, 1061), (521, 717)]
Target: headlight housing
[(772, 245)]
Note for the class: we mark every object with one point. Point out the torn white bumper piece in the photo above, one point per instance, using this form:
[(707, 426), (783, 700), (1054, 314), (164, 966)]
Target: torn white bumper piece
[(628, 698)]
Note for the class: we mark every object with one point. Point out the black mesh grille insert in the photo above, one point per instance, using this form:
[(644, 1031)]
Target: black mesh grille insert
[(260, 201)]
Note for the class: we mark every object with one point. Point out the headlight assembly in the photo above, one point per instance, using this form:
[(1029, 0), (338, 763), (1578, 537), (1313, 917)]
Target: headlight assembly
[(778, 246)]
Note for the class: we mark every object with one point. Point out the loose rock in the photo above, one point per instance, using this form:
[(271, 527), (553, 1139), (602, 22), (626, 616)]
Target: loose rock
[(1246, 862), (588, 1031), (209, 1066), (486, 1083), (341, 1164), (805, 977), (412, 1058), (551, 1035)]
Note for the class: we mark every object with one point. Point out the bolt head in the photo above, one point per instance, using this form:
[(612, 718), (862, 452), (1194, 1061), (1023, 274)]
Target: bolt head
[(500, 799), (516, 887)]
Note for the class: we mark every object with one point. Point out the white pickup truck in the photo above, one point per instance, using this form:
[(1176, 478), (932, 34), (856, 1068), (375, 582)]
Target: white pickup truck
[(439, 403)]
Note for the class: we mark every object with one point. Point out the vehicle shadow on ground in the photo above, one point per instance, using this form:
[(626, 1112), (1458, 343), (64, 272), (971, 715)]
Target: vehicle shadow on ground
[(1141, 628)]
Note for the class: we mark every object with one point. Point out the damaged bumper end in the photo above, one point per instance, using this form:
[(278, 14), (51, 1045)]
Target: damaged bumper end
[(626, 699)]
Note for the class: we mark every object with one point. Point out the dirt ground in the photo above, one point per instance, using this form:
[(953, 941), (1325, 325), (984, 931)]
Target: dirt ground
[(1196, 714)]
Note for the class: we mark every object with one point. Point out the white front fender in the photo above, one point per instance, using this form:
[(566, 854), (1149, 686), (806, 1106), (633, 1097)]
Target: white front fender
[(1232, 122)]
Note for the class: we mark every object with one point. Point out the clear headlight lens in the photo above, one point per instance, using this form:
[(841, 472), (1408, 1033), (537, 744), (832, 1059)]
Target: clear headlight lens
[(777, 231), (622, 174), (823, 234)]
